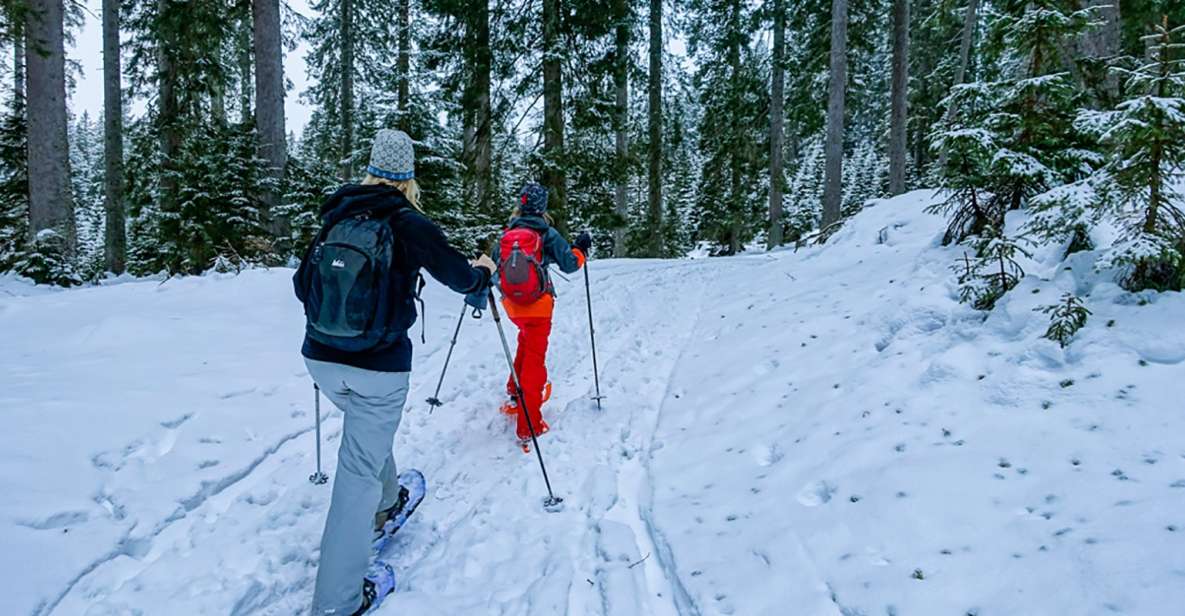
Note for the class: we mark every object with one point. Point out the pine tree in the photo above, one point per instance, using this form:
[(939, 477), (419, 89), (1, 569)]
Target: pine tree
[(1065, 318), (1139, 186), (86, 165), (1035, 102), (733, 131)]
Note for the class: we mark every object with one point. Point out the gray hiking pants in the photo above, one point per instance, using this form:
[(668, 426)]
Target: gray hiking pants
[(365, 482)]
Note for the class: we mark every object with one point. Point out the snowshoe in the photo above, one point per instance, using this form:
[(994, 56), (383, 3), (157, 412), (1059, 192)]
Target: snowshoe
[(540, 430), (510, 407), (379, 582), (412, 489)]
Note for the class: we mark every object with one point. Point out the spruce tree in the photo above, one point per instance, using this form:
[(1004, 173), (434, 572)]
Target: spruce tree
[(1139, 187)]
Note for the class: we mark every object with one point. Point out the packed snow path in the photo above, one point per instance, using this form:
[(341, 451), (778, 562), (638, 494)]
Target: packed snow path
[(816, 432)]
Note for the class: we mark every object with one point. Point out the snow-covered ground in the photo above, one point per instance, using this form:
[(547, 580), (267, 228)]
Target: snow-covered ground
[(816, 432)]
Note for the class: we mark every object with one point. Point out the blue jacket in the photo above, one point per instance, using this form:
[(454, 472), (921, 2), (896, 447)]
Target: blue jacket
[(419, 244)]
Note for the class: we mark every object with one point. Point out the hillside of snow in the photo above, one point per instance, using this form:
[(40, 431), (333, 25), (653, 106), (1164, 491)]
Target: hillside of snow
[(820, 432)]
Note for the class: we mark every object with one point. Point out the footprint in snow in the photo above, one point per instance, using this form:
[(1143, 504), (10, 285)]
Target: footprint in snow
[(816, 493)]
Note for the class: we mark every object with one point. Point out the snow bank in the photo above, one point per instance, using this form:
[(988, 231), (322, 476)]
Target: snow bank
[(816, 432)]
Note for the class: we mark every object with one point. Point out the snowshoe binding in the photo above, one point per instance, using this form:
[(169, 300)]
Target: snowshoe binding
[(379, 582), (412, 489)]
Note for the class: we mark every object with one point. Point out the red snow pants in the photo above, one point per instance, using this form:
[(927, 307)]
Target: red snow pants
[(529, 363)]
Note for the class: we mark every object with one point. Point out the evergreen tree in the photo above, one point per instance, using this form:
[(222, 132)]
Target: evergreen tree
[(86, 165), (1139, 185), (733, 128)]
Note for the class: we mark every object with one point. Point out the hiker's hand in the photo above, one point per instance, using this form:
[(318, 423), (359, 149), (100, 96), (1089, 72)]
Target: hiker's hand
[(584, 242), (486, 262), (478, 299)]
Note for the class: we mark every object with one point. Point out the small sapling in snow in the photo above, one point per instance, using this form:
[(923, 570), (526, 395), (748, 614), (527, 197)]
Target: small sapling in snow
[(1065, 318)]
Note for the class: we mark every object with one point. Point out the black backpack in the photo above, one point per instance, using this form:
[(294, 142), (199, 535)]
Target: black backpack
[(348, 292)]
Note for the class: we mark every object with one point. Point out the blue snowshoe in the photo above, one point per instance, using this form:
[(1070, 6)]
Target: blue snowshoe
[(412, 489)]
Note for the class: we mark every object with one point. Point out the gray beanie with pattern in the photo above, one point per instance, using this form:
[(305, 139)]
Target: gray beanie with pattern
[(392, 156)]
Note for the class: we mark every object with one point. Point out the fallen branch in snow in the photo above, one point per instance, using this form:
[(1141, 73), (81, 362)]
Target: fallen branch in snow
[(640, 561)]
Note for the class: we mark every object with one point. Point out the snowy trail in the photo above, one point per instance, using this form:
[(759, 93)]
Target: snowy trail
[(825, 429)]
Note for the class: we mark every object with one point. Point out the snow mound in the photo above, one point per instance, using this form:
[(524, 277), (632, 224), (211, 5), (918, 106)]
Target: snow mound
[(826, 429)]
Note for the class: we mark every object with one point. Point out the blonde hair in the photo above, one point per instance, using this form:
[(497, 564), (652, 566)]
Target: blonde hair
[(518, 211), (409, 188)]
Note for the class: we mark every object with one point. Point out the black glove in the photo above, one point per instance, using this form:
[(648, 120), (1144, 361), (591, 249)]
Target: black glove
[(584, 242)]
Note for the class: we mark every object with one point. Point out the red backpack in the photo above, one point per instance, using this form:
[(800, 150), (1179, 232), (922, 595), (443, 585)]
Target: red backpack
[(521, 274)]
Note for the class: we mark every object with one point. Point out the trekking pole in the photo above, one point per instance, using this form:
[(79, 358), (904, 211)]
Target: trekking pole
[(434, 401), (593, 336), (318, 478), (552, 503)]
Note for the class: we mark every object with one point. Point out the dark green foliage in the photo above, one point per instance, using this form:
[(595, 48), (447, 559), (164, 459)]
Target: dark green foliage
[(14, 189), (1065, 319), (217, 211), (992, 272), (44, 261)]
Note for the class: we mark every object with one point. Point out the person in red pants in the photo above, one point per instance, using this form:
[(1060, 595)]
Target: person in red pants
[(527, 247)]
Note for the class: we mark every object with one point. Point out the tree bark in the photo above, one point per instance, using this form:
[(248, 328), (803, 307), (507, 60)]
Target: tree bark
[(404, 63), (18, 59), (115, 237), (621, 118), (483, 140), (347, 90), (833, 181), (654, 111), (736, 140), (269, 99), (1106, 41), (777, 119), (50, 203), (170, 141), (478, 117), (245, 86), (900, 91), (554, 176), (970, 25)]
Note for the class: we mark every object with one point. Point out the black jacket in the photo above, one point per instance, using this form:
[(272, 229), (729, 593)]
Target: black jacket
[(419, 244)]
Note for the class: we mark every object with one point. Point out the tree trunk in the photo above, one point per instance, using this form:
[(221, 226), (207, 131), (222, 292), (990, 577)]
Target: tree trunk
[(900, 91), (404, 63), (654, 111), (115, 242), (777, 119), (347, 90), (621, 118), (735, 140), (50, 203), (269, 99), (1106, 41), (478, 123), (18, 59), (483, 139), (833, 182), (554, 176), (970, 25), (245, 87), (170, 141)]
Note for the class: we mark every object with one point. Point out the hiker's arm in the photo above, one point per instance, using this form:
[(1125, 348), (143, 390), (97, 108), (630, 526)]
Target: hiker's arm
[(561, 252), (442, 261)]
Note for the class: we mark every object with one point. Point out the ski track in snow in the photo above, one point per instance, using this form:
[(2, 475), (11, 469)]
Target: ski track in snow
[(824, 431)]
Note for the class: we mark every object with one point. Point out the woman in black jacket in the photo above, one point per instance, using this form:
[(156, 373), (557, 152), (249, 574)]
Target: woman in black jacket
[(371, 386)]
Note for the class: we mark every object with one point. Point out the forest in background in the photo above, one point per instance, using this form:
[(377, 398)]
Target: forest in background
[(663, 127)]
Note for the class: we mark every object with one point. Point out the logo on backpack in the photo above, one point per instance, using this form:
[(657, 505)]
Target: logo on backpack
[(522, 277), (338, 263)]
